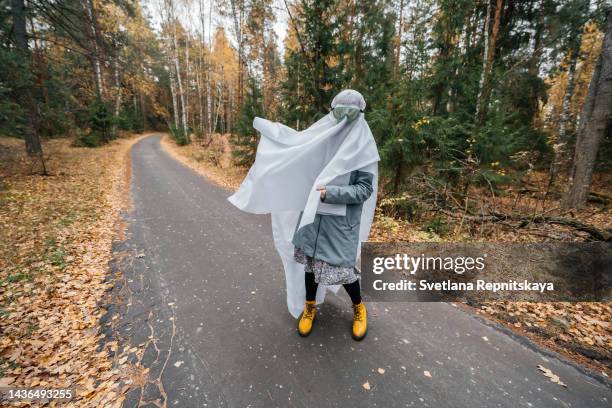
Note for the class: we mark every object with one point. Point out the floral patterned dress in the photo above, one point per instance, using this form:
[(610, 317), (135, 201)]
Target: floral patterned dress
[(326, 274)]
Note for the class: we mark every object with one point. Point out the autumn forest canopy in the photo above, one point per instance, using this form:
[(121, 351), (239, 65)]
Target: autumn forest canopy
[(463, 95)]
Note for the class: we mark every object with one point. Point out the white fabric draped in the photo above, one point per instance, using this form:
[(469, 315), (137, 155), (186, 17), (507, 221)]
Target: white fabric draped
[(288, 167)]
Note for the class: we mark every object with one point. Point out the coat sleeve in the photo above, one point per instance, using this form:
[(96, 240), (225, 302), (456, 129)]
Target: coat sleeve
[(355, 193)]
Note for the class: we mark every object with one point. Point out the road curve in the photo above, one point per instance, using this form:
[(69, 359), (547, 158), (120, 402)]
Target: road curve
[(204, 294)]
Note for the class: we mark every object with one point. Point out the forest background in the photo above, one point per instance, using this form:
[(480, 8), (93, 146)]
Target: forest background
[(492, 117), (461, 94)]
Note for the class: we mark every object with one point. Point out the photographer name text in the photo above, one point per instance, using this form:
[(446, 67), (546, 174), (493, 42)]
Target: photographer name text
[(448, 285)]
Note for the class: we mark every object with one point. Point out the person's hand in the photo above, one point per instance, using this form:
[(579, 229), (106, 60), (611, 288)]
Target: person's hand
[(321, 189)]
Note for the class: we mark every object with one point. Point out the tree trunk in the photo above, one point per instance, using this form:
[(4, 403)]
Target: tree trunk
[(173, 93), (181, 93), (92, 16), (485, 58), (299, 97), (237, 29), (143, 110), (219, 100), (188, 111), (26, 97), (536, 55), (468, 34), (209, 101), (200, 75), (560, 148), (117, 97), (200, 126), (594, 124), (484, 87), (398, 174), (209, 98), (230, 110), (398, 45)]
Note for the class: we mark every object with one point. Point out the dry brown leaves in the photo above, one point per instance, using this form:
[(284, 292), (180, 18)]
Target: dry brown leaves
[(55, 244), (203, 161), (573, 326)]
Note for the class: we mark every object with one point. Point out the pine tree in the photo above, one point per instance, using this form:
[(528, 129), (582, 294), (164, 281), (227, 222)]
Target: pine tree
[(245, 139), (370, 67), (25, 95), (315, 69)]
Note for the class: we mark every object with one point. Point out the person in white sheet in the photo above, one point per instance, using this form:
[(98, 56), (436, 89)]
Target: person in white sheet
[(320, 186)]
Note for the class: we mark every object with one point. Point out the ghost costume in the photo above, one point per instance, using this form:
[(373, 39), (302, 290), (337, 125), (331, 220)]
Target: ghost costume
[(288, 167)]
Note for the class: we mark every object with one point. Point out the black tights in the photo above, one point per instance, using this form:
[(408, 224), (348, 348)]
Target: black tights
[(353, 289)]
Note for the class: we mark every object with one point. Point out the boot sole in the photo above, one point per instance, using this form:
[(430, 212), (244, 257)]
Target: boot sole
[(298, 328), (359, 338)]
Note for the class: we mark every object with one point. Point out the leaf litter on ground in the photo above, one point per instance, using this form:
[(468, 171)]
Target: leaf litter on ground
[(55, 244)]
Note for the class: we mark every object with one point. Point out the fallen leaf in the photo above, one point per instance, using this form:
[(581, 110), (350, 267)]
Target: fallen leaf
[(551, 376), (6, 381)]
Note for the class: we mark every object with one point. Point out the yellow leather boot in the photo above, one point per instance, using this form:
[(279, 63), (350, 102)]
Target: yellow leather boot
[(360, 321), (307, 318)]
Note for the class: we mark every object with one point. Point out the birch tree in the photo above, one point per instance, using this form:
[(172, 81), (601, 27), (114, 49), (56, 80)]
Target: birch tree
[(92, 17), (575, 43), (172, 23)]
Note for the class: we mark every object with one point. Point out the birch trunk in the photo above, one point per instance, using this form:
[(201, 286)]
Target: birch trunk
[(560, 147), (179, 82), (209, 99), (173, 93), (171, 19), (92, 16), (200, 76), (567, 98), (238, 31), (188, 113), (219, 99), (209, 103), (117, 97), (200, 125)]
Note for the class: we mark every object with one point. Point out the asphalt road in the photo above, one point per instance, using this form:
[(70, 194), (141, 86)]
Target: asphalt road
[(204, 293)]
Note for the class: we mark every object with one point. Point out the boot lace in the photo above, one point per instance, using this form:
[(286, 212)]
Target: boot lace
[(357, 313), (309, 311)]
